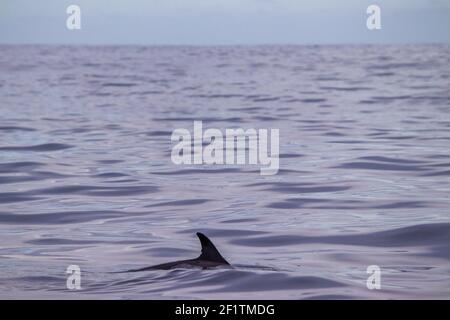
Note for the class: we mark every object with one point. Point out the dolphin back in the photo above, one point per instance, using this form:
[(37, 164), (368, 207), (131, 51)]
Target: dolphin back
[(209, 258)]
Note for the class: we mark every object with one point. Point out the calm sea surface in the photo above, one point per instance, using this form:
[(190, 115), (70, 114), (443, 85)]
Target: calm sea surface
[(86, 176)]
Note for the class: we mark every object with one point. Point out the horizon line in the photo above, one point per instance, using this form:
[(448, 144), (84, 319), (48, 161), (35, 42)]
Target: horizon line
[(311, 44)]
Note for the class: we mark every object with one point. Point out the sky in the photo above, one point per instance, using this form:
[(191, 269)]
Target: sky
[(217, 22)]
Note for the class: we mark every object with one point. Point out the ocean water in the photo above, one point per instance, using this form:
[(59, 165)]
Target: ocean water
[(86, 176)]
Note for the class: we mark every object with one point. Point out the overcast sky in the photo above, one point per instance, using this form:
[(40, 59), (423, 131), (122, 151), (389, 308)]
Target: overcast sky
[(224, 21)]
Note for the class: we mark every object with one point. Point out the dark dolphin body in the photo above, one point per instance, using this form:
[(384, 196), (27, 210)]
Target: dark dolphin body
[(209, 258)]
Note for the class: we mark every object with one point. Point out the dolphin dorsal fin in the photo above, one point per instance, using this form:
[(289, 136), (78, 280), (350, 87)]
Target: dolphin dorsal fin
[(209, 251)]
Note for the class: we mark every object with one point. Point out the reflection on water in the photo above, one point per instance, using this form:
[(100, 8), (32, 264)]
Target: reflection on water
[(86, 176)]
